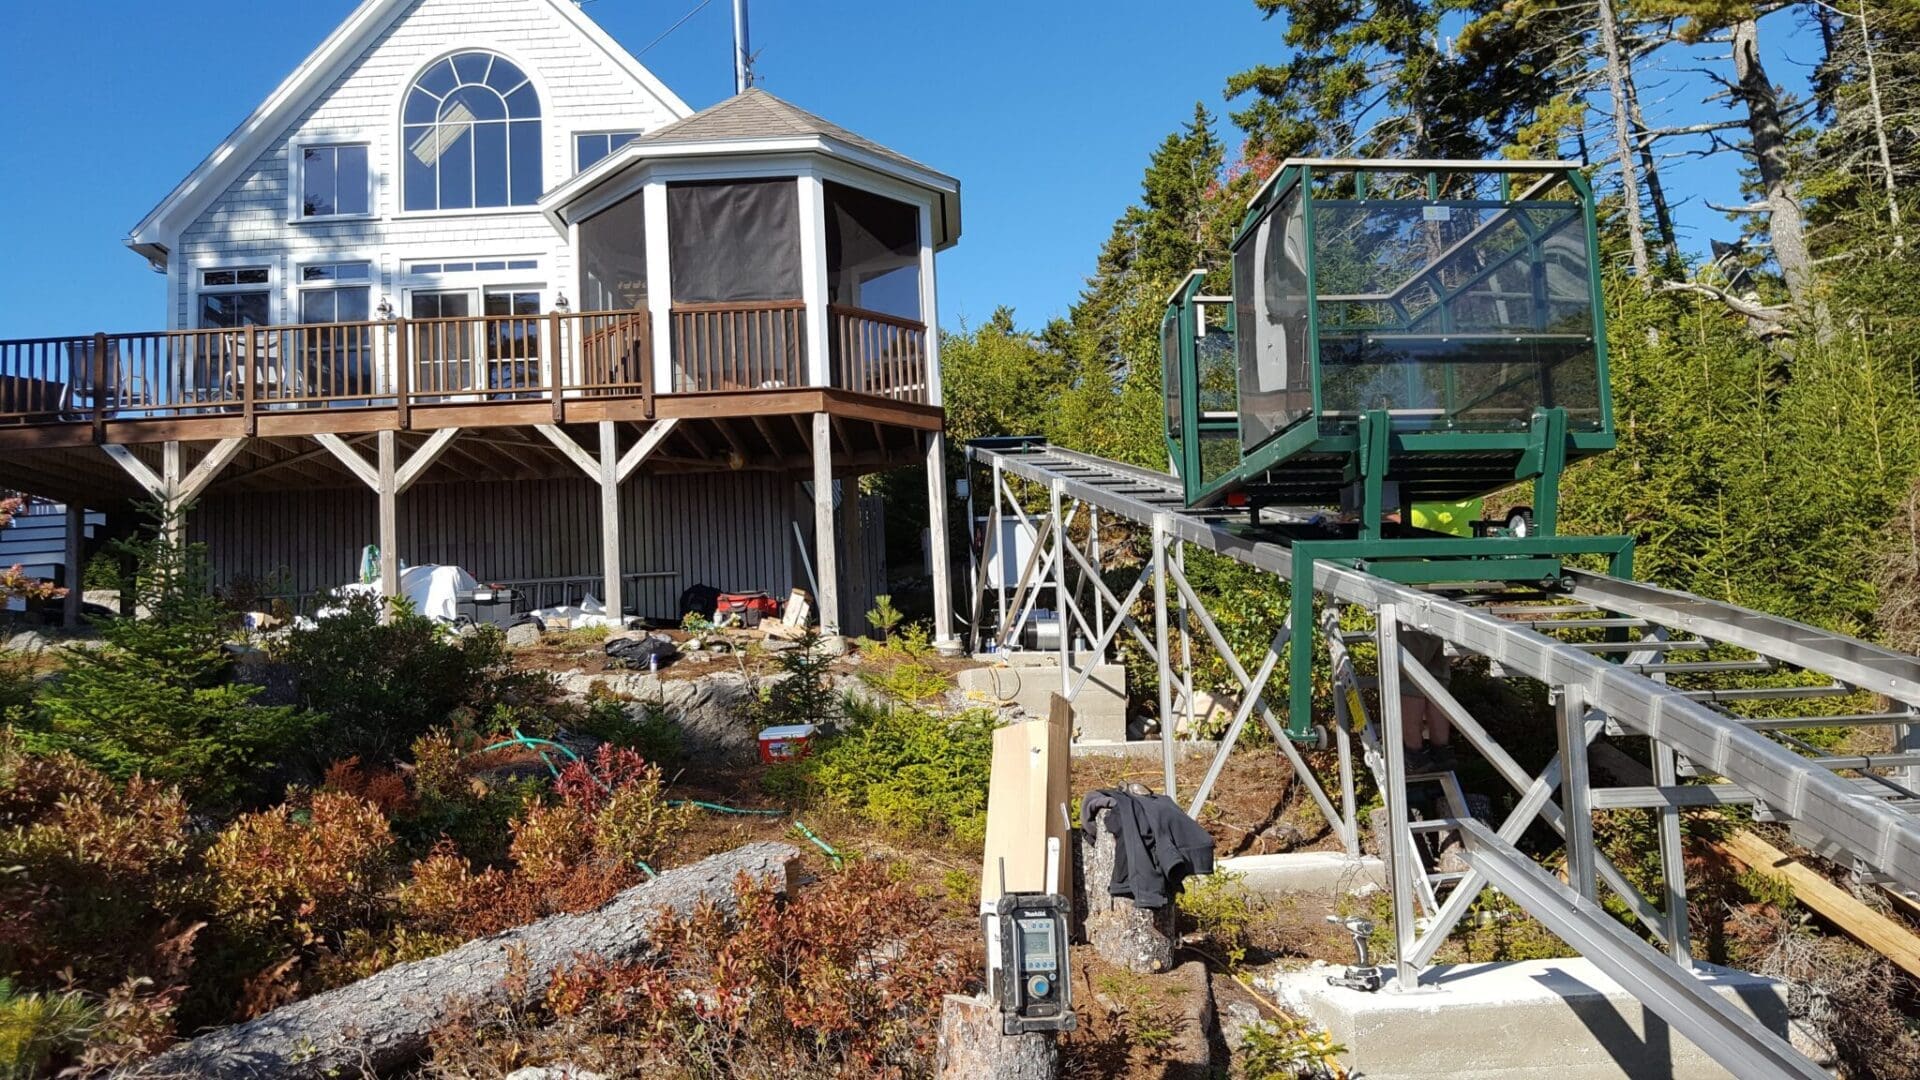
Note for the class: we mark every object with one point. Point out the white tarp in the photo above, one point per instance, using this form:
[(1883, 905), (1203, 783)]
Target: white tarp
[(432, 590)]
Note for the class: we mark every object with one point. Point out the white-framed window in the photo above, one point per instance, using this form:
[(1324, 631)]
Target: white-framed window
[(470, 136), (233, 296), (590, 147), (336, 292), (432, 267), (335, 181)]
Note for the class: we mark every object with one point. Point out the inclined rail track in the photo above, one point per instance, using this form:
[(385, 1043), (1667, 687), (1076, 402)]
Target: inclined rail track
[(1880, 835)]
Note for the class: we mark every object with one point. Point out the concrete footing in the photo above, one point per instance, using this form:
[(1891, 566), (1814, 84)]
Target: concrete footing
[(1529, 1018), (1030, 679), (1332, 872), (1144, 749)]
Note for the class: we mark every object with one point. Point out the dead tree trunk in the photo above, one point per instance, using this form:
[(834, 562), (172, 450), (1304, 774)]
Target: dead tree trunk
[(971, 1045), (383, 1021), (1767, 127), (1623, 140), (1139, 939)]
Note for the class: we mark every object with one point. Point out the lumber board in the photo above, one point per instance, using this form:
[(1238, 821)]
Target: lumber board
[(1829, 901), (1025, 798)]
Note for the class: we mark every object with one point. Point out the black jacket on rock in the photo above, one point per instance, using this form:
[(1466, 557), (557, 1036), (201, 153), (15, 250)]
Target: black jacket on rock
[(1156, 845)]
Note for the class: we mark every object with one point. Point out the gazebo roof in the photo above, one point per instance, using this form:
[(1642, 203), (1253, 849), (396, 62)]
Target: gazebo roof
[(754, 122)]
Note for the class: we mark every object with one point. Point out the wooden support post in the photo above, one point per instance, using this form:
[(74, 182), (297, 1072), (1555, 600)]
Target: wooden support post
[(610, 519), (97, 364), (175, 521), (389, 489), (402, 376), (556, 379), (938, 538), (826, 566), (76, 543)]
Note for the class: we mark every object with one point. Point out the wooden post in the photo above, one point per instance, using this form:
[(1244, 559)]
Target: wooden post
[(556, 379), (98, 372), (402, 375), (249, 368), (388, 490), (937, 541), (175, 521), (825, 563), (610, 519), (76, 543)]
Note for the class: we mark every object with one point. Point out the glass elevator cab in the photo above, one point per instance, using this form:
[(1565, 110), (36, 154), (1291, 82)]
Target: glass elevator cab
[(1398, 333)]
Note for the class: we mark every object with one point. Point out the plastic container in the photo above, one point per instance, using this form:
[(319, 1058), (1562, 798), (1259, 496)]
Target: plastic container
[(788, 742)]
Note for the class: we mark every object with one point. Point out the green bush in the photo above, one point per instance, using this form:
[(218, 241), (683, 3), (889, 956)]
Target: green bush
[(804, 695), (157, 697), (652, 733), (1222, 911), (902, 768), (36, 1027), (384, 684)]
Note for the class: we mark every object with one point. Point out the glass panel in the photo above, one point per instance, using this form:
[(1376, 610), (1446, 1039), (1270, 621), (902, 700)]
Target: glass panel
[(456, 167), (422, 107), (228, 310), (490, 165), (504, 76), (351, 191), (1270, 310), (524, 103), (513, 339), (1171, 368), (442, 351), (421, 192), (734, 240), (439, 79), (472, 66), (873, 252), (525, 163), (1456, 313), (217, 277), (256, 275), (613, 257), (318, 182), (473, 103), (588, 149)]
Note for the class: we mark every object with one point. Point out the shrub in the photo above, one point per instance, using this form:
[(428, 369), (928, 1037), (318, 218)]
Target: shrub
[(651, 733), (884, 616), (381, 685), (804, 695), (845, 979), (1221, 909), (157, 698), (903, 768), (1289, 1048), (35, 1028), (289, 879)]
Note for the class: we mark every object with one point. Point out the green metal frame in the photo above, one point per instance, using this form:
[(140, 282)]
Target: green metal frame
[(1370, 442)]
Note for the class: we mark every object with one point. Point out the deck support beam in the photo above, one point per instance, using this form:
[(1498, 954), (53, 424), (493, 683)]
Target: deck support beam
[(169, 487), (826, 565), (610, 519), (387, 486), (938, 539), (76, 523)]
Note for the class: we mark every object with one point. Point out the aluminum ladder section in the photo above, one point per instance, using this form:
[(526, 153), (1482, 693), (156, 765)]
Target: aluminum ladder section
[(1882, 838)]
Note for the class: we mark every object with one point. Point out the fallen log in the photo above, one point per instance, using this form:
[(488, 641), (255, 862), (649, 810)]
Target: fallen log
[(383, 1021)]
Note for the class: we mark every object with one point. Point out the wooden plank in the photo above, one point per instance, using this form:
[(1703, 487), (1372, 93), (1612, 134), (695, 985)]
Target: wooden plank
[(350, 457), (208, 467), (1027, 797), (1829, 901), (565, 444), (423, 458), (649, 442)]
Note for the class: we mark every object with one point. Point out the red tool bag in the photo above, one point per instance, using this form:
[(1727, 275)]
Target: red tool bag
[(751, 607)]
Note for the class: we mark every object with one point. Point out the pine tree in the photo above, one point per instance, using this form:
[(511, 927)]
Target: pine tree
[(156, 697)]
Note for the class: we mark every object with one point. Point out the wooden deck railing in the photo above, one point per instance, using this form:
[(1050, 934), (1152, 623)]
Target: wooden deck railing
[(400, 363), (757, 345), (878, 354)]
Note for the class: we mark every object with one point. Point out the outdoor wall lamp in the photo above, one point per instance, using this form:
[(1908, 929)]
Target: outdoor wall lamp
[(385, 310), (560, 304)]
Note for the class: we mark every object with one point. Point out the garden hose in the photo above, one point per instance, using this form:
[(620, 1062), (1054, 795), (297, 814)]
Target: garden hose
[(536, 744)]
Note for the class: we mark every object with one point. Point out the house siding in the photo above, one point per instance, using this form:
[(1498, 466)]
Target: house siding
[(581, 89)]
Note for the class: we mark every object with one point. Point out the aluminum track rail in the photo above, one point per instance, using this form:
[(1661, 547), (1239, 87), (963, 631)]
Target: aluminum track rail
[(1880, 836)]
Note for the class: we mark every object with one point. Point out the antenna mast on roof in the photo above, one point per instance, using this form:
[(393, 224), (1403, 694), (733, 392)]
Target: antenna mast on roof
[(742, 53)]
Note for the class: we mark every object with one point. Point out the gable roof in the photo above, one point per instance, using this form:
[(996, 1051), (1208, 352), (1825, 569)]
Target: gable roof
[(757, 114), (298, 92)]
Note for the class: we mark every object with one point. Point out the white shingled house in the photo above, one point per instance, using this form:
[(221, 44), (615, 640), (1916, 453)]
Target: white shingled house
[(474, 286)]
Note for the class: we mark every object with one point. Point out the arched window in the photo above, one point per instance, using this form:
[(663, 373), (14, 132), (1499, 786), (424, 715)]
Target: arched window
[(471, 136)]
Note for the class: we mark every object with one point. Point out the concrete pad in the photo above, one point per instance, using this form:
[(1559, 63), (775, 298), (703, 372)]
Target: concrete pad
[(1145, 749), (1332, 872), (1030, 679), (1529, 1018)]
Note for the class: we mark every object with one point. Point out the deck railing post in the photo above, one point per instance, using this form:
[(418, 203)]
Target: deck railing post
[(402, 374), (248, 382), (98, 373), (555, 380), (641, 349)]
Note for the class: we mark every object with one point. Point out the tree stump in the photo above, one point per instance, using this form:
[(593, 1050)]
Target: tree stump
[(1136, 938), (972, 1046)]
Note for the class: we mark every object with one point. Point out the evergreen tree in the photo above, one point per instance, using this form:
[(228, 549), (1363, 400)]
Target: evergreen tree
[(156, 696)]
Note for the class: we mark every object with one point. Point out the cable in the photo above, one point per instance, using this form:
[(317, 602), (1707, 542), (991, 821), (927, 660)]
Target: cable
[(697, 8)]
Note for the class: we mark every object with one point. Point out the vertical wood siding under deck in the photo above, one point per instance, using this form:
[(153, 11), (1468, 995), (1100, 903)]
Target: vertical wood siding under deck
[(731, 530)]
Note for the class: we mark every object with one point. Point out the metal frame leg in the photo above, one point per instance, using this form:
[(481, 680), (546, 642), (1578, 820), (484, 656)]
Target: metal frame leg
[(1160, 643), (1576, 806), (1400, 854)]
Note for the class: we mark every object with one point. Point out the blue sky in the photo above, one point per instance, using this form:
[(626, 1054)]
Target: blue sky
[(1046, 111)]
